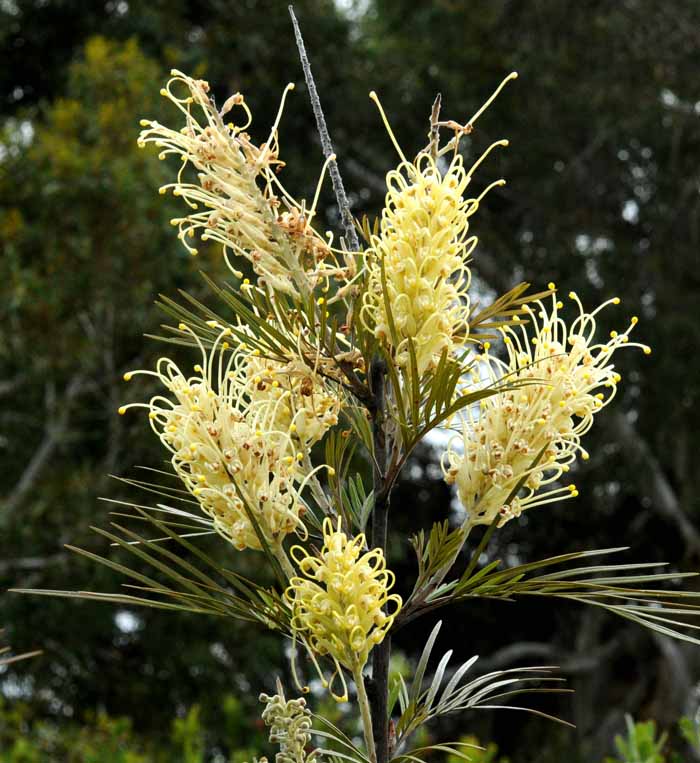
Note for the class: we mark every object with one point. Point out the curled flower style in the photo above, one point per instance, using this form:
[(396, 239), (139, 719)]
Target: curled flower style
[(341, 603), (289, 721), (238, 452), (530, 435), (418, 279), (232, 191)]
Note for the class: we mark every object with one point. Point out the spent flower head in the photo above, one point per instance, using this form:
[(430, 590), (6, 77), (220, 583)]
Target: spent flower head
[(233, 191), (528, 436)]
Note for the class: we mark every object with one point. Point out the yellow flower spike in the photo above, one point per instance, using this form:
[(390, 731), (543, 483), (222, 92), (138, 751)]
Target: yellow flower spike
[(418, 279), (530, 436), (340, 598)]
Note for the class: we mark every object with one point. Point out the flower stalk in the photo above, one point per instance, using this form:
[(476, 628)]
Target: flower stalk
[(365, 713)]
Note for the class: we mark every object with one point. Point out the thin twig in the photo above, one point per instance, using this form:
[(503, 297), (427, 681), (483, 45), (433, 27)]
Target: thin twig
[(326, 145), (434, 134)]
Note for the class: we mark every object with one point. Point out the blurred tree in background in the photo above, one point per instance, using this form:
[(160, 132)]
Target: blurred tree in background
[(603, 178)]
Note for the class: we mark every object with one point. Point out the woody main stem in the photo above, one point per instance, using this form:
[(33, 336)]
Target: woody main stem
[(382, 652)]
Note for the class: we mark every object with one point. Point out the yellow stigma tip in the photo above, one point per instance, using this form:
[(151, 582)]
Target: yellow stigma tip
[(572, 295), (127, 376), (182, 327), (616, 300), (121, 410), (551, 286), (634, 320), (487, 345), (647, 350)]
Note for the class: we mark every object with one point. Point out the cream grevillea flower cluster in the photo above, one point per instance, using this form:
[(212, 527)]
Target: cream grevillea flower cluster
[(420, 254), (233, 191), (417, 274), (289, 721), (239, 430), (340, 601), (532, 434)]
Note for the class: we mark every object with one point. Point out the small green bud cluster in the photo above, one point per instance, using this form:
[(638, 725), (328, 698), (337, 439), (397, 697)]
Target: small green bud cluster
[(290, 727)]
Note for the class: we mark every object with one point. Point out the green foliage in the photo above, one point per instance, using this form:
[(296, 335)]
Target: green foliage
[(100, 738), (478, 753), (640, 745), (643, 743), (690, 731)]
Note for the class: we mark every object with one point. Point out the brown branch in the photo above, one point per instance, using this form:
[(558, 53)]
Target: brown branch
[(57, 420), (663, 499)]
